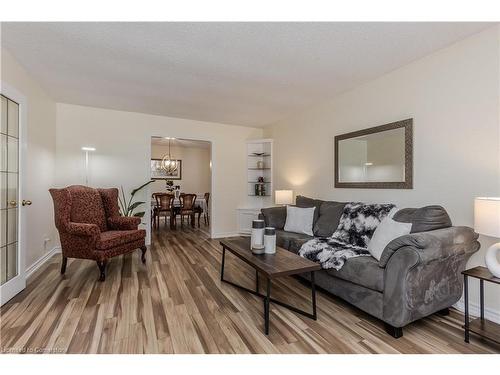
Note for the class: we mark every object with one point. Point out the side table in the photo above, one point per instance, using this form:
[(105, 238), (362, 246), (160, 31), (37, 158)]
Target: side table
[(479, 326)]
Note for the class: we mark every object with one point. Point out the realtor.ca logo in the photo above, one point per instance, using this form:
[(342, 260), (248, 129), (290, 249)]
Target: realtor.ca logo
[(30, 350)]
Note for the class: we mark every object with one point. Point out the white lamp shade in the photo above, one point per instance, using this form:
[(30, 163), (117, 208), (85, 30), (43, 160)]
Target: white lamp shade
[(487, 216), (283, 197)]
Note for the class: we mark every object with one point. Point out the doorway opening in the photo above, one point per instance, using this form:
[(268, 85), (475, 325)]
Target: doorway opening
[(181, 194)]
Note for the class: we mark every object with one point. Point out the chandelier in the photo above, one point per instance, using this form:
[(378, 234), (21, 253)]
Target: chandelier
[(168, 164)]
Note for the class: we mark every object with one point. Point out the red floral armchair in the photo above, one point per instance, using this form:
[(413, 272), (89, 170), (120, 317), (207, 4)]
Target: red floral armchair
[(90, 226)]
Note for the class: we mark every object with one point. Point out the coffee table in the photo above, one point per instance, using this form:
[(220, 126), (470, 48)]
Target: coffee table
[(271, 266)]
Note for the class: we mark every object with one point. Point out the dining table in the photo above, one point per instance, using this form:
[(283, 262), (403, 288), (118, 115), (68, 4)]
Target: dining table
[(199, 203)]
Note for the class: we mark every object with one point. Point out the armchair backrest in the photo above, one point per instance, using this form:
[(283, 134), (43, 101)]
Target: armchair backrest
[(79, 204)]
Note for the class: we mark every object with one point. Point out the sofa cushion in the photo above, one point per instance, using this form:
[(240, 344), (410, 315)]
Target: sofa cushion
[(329, 218), (296, 244), (300, 220), (387, 231), (285, 239), (305, 202), (424, 219), (363, 271), (113, 238), (274, 216)]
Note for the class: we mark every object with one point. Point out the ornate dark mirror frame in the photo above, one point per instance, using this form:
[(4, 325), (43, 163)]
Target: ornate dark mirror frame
[(407, 183)]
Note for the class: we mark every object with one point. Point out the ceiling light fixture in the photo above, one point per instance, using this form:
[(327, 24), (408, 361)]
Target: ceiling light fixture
[(168, 164)]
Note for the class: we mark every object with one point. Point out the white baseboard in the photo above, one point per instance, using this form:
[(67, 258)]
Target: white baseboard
[(489, 314), (225, 234), (40, 262)]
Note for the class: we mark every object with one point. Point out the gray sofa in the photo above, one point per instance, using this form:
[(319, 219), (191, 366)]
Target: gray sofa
[(418, 274)]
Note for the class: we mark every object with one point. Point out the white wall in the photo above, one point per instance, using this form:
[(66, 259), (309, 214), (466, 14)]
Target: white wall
[(453, 97), (123, 143), (196, 175), (40, 159)]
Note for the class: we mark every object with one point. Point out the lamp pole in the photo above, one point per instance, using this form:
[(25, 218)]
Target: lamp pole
[(87, 150)]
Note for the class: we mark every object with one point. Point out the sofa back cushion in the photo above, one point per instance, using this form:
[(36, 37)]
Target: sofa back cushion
[(87, 206), (274, 216), (424, 219), (329, 218)]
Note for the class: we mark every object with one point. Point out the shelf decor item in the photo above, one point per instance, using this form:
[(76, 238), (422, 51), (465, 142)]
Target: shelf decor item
[(260, 189), (260, 164), (269, 240), (257, 237), (487, 222)]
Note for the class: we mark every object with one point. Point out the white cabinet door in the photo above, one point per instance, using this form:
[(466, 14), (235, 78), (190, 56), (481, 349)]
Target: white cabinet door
[(245, 218)]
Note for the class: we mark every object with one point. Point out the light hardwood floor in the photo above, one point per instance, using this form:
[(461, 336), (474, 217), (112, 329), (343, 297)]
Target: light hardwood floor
[(177, 304)]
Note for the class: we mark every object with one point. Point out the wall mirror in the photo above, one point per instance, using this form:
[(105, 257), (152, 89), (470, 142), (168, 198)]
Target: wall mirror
[(376, 158)]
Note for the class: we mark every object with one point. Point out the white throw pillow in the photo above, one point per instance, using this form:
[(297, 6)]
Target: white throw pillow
[(299, 220), (386, 231)]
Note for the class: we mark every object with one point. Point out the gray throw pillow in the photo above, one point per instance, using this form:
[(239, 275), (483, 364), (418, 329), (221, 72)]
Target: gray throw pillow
[(305, 202), (424, 219), (329, 218)]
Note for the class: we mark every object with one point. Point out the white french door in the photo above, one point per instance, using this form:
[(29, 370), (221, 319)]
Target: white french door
[(12, 233)]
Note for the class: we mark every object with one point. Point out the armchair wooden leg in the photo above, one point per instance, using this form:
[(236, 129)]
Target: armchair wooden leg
[(63, 265), (143, 256), (102, 270)]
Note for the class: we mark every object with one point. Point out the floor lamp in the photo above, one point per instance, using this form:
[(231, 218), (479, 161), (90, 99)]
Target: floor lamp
[(87, 150)]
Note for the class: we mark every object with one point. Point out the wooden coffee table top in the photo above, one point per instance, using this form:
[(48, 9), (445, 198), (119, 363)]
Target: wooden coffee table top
[(283, 263)]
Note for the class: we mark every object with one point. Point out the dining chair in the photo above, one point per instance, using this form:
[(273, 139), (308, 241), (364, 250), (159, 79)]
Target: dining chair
[(187, 207), (165, 204), (207, 214)]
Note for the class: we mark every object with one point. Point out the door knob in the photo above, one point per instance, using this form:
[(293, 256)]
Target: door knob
[(13, 203), (26, 203)]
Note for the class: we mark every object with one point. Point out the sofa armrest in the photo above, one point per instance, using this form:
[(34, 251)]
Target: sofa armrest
[(83, 230), (422, 272), (433, 245), (123, 222)]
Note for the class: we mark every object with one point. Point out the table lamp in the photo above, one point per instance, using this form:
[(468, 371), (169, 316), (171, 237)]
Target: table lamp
[(487, 222), (283, 197)]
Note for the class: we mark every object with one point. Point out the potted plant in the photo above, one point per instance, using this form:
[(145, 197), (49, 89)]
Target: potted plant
[(127, 208)]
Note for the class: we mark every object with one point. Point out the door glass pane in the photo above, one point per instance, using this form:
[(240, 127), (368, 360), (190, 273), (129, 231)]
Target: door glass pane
[(3, 153), (12, 154), (9, 196), (3, 228), (3, 115), (12, 225), (12, 189), (3, 264), (11, 261), (13, 119), (3, 190)]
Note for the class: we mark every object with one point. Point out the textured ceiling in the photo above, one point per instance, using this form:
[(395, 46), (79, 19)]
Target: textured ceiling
[(248, 74)]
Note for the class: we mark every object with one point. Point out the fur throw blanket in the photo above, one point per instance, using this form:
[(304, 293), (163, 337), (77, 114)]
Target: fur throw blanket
[(356, 227)]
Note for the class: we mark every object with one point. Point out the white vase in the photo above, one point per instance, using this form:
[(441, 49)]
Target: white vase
[(491, 260), (269, 240), (257, 237)]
